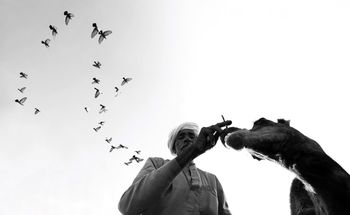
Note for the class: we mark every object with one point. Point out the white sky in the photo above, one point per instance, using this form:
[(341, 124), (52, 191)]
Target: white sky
[(190, 61)]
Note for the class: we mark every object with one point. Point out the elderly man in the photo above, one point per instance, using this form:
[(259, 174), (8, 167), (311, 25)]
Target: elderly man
[(177, 187)]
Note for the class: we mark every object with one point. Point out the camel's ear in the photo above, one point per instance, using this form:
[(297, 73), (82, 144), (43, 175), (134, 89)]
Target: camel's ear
[(284, 122)]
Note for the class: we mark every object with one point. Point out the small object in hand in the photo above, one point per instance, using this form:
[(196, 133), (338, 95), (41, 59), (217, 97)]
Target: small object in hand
[(222, 116)]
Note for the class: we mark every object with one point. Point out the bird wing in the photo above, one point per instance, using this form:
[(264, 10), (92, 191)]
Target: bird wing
[(67, 20), (97, 94), (94, 32), (47, 41), (107, 33), (100, 39), (23, 100)]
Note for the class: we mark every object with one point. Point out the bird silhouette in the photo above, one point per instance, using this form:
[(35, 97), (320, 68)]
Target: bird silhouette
[(22, 89), (112, 148), (138, 151), (95, 81), (109, 140), (101, 123), (86, 109), (68, 17), (53, 30), (97, 64), (46, 43), (36, 110), (97, 128), (103, 35), (127, 163), (125, 80), (121, 146), (97, 93), (137, 159), (94, 31), (23, 75), (21, 101), (102, 109)]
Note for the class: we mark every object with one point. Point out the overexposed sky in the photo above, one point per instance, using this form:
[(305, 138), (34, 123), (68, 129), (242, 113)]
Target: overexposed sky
[(190, 61)]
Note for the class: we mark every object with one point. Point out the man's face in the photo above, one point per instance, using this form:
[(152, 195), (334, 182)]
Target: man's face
[(184, 138)]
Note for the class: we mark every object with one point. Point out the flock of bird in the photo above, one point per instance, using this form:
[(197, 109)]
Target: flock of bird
[(21, 90), (95, 81)]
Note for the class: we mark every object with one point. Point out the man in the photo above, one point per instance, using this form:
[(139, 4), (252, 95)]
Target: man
[(177, 187)]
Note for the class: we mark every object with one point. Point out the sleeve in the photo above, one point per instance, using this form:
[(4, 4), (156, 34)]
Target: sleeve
[(148, 186), (222, 204)]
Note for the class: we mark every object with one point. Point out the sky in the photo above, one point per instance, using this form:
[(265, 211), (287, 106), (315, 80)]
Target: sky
[(189, 61)]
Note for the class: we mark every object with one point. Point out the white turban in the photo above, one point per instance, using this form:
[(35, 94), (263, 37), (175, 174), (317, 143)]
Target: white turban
[(172, 135)]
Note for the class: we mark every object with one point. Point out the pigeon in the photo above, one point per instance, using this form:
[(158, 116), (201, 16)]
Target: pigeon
[(22, 89), (46, 43), (95, 81), (101, 123), (36, 110), (53, 30), (97, 93), (21, 101), (97, 64), (103, 109), (137, 159), (138, 151), (94, 31), (23, 75), (127, 163), (86, 109), (103, 35), (68, 17), (125, 80), (116, 89), (112, 148), (97, 128), (121, 146), (109, 140)]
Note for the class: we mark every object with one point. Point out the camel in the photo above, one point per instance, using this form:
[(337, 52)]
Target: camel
[(321, 186)]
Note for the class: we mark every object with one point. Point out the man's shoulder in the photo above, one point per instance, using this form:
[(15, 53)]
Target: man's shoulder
[(208, 174)]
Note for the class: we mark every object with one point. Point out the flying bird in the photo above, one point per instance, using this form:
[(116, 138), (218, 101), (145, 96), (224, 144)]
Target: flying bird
[(109, 140), (94, 31), (103, 35), (103, 108), (36, 110), (138, 151), (53, 30), (125, 80), (112, 148), (21, 101), (137, 159), (68, 17), (97, 64), (95, 81), (22, 89), (97, 93), (101, 123), (127, 163), (46, 43), (86, 109), (121, 146), (97, 128), (23, 75), (116, 89)]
